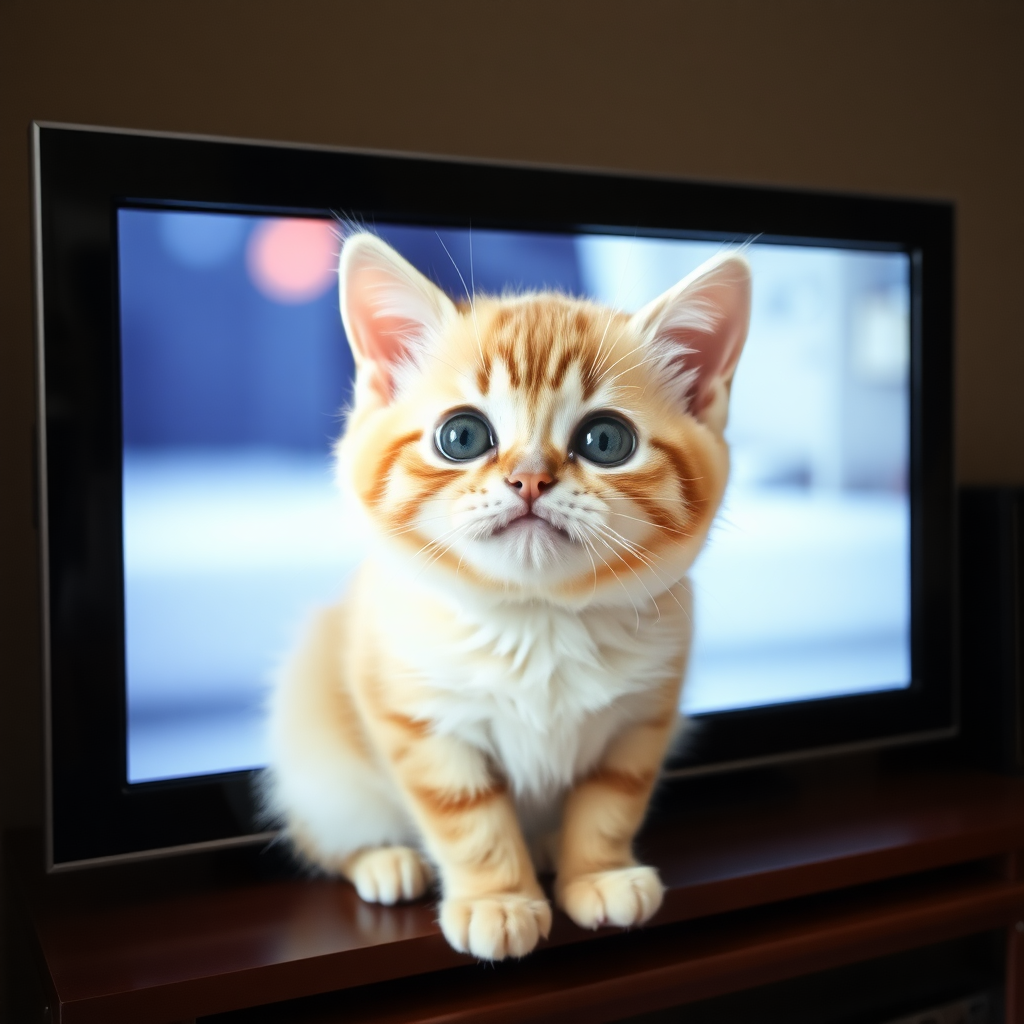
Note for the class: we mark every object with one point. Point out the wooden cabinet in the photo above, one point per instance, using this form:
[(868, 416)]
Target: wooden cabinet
[(770, 876)]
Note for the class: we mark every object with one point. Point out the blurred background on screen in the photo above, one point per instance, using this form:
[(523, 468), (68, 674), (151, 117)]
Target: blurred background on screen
[(235, 370)]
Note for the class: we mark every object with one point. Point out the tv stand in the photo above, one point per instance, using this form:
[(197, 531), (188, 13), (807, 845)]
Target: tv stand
[(769, 876)]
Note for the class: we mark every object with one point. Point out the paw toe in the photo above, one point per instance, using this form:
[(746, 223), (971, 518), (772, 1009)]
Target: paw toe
[(624, 897), (495, 927), (389, 874)]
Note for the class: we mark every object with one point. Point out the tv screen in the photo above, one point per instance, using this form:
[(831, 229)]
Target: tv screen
[(195, 378), (235, 376)]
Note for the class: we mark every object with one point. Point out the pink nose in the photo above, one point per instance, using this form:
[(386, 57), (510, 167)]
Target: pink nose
[(530, 485)]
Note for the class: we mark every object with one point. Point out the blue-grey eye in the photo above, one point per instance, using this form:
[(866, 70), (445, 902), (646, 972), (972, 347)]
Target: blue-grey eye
[(605, 440), (464, 436)]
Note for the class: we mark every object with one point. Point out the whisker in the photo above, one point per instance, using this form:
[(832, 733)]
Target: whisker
[(637, 575), (401, 531), (599, 365), (669, 583), (625, 355), (439, 540), (647, 522), (621, 584), (593, 564), (454, 264), (652, 358), (433, 355), (469, 295), (441, 548), (634, 547), (440, 553), (648, 497)]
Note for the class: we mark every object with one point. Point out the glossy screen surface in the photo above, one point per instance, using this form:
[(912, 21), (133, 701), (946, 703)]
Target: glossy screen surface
[(235, 369)]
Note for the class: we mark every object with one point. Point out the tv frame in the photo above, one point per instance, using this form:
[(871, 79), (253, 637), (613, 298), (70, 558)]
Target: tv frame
[(83, 175)]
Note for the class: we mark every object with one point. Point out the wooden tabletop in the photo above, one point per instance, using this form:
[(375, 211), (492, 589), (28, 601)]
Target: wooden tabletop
[(188, 937)]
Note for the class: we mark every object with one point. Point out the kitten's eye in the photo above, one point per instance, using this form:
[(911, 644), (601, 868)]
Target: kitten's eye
[(605, 440), (464, 436)]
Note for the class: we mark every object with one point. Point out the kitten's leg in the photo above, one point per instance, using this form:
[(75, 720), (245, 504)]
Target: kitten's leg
[(492, 905), (599, 881), (338, 805)]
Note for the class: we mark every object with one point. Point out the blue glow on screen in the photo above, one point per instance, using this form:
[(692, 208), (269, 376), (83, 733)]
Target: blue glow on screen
[(235, 367)]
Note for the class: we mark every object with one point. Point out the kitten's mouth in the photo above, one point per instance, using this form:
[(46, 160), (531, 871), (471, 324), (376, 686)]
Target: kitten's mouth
[(531, 521)]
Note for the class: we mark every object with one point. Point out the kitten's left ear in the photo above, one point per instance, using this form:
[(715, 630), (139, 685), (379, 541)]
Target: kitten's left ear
[(700, 326)]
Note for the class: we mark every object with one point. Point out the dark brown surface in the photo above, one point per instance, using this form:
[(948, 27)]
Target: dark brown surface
[(167, 942), (670, 966)]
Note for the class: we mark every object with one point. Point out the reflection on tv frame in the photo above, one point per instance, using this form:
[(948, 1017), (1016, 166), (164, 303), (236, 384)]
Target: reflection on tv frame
[(236, 370)]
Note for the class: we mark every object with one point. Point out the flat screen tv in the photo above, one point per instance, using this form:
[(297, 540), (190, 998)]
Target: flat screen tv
[(193, 375)]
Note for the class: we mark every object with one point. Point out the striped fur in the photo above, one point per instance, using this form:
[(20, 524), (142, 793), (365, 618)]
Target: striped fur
[(495, 691)]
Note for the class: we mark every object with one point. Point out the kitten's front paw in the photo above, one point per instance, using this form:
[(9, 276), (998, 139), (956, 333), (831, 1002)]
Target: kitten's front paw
[(388, 874), (624, 897), (494, 927)]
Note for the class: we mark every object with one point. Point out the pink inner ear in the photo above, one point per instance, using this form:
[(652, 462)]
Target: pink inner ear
[(709, 321), (382, 339), (712, 357)]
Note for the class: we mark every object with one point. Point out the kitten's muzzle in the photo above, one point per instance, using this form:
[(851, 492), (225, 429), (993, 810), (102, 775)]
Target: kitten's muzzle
[(528, 518)]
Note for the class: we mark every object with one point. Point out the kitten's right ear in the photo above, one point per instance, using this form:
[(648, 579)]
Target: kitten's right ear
[(391, 312)]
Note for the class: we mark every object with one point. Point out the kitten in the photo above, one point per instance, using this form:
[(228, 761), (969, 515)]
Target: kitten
[(499, 686)]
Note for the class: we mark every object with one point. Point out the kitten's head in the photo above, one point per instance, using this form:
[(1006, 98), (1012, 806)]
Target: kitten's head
[(539, 446)]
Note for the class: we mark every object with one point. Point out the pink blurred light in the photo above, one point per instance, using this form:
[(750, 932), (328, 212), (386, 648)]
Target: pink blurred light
[(293, 260)]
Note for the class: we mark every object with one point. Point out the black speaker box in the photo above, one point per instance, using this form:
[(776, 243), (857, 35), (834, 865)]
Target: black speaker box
[(992, 626)]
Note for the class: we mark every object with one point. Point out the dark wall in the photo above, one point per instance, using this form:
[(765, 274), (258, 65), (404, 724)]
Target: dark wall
[(900, 97)]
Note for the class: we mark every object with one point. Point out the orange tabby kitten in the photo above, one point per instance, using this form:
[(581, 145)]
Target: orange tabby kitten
[(499, 686)]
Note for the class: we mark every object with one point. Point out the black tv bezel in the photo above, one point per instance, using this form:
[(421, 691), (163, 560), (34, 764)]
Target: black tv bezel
[(82, 176)]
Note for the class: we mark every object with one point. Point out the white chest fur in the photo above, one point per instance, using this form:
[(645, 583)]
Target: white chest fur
[(541, 689)]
